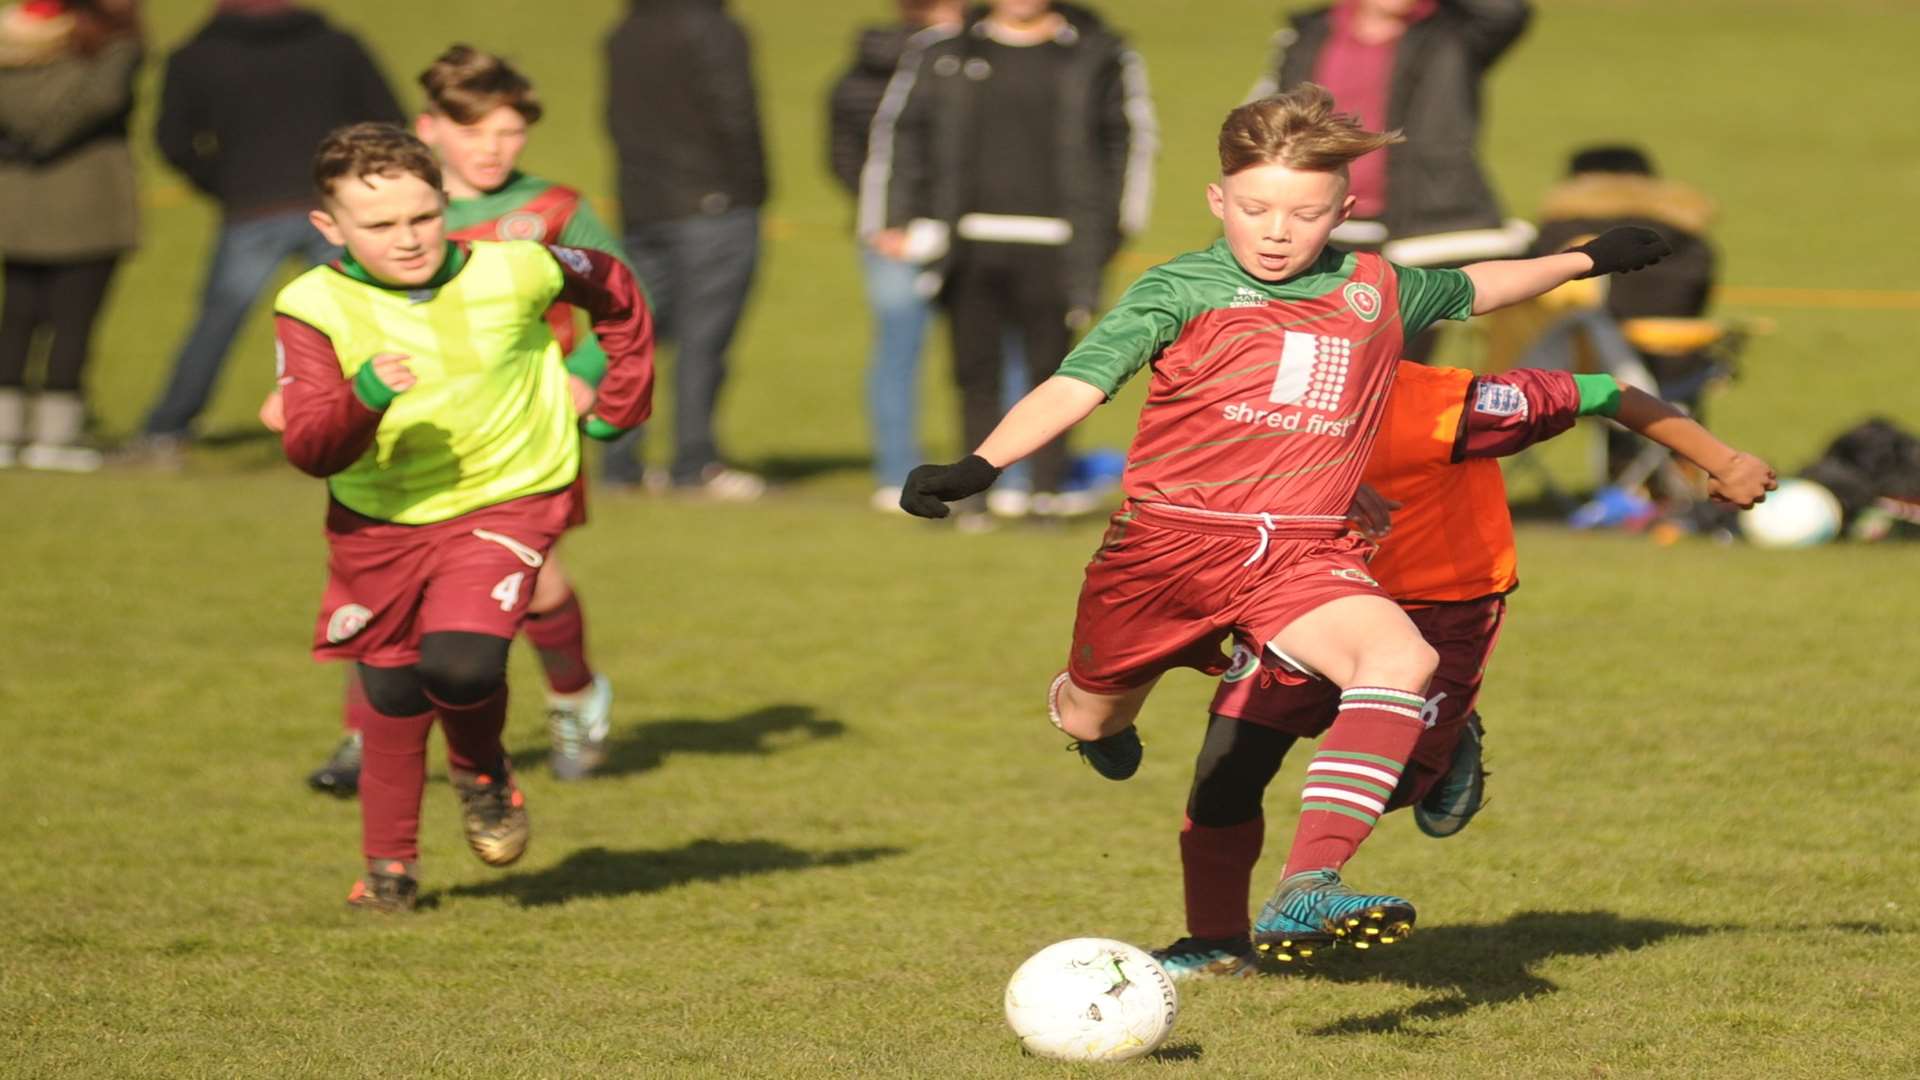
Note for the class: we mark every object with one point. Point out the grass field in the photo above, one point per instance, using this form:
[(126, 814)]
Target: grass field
[(836, 819)]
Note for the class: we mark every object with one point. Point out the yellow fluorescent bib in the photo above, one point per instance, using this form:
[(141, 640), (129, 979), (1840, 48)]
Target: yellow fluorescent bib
[(490, 418)]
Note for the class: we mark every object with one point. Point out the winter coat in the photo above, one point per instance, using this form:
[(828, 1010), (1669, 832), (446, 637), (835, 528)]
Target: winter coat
[(248, 98), (683, 113), (1434, 180), (66, 176), (922, 152), (855, 97)]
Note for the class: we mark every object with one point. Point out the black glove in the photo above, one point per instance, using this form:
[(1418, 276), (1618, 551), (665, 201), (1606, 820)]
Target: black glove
[(1623, 250), (930, 488)]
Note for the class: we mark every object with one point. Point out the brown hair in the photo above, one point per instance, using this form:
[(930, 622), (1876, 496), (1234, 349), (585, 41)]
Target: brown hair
[(464, 84), (363, 150), (1297, 129)]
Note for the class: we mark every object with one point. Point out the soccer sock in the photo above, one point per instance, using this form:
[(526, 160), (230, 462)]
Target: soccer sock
[(393, 774), (560, 637), (359, 711), (1217, 864), (473, 733), (1354, 773)]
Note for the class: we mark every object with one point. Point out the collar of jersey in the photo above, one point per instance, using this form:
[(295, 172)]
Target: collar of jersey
[(1330, 269), (455, 261)]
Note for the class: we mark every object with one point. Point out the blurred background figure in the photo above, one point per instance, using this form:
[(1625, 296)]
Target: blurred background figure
[(1415, 65), (1027, 138), (901, 309), (685, 121), (67, 210), (244, 102)]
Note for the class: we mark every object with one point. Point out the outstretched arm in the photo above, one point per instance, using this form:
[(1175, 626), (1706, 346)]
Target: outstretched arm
[(1038, 419), (1734, 476), (1504, 282)]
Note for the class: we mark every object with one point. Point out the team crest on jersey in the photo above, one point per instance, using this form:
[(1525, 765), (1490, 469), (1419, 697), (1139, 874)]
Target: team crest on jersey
[(1364, 299), (574, 259), (1499, 399), (1244, 663), (1244, 297), (521, 225), (346, 621), (1313, 370)]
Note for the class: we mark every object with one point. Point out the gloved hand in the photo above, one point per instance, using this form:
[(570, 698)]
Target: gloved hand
[(1623, 250), (929, 488)]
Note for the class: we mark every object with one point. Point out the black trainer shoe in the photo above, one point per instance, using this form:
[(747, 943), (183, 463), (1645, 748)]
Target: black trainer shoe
[(340, 776), (386, 888), (494, 815)]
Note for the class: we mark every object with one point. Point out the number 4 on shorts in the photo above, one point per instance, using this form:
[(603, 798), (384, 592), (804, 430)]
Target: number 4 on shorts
[(508, 591)]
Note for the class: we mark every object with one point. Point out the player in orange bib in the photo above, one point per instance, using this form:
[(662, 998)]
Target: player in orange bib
[(1448, 559)]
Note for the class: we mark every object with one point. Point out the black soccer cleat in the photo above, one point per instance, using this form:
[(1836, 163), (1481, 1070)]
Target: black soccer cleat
[(340, 776)]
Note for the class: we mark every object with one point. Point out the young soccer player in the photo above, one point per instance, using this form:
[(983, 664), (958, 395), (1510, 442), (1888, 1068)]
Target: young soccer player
[(421, 378), (1448, 558), (1271, 358), (480, 112)]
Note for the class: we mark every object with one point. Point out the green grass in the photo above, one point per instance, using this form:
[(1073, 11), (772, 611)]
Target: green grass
[(836, 819)]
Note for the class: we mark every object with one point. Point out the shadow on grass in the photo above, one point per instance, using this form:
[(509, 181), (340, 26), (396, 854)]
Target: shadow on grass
[(760, 731), (1178, 1052), (1487, 964), (789, 468), (598, 872)]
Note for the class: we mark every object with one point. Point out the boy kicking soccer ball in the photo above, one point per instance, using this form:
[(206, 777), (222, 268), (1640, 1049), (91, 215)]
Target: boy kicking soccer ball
[(1272, 357), (1448, 557), (421, 379), (480, 111)]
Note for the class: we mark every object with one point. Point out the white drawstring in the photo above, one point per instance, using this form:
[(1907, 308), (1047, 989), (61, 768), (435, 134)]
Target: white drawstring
[(1266, 526)]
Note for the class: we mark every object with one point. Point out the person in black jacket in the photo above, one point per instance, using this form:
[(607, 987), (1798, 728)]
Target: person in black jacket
[(900, 309), (1416, 66), (685, 122), (243, 104), (1028, 136)]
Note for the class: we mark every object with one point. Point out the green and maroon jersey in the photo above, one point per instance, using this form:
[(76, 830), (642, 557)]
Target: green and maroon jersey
[(1266, 396), (529, 208)]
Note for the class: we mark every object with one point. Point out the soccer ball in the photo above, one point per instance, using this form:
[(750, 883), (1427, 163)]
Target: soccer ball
[(1800, 514), (1091, 999)]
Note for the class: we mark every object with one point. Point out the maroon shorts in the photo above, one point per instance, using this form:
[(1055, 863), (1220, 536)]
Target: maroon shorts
[(1162, 595), (1463, 634), (388, 584)]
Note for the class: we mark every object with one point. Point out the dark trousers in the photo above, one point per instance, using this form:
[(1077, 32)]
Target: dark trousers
[(244, 259), (993, 287), (61, 298), (697, 273)]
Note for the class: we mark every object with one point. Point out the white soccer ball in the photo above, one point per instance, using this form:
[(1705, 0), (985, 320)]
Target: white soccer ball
[(1091, 999), (1800, 514)]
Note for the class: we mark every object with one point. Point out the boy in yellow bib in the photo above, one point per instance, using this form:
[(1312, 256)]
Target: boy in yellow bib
[(421, 379)]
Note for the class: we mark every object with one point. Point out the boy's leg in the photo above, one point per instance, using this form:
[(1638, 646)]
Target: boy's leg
[(465, 677), (341, 774), (1037, 287), (393, 776), (579, 701), (900, 317)]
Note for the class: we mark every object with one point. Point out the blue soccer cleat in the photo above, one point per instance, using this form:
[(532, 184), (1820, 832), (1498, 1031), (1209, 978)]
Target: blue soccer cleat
[(1461, 793), (1312, 911), (1209, 958)]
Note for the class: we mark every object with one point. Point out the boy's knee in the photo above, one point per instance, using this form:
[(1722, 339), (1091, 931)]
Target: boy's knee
[(460, 668)]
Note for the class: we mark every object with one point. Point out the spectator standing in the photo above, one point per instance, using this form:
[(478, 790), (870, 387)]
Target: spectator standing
[(1416, 66), (900, 307), (245, 100), (1028, 137), (67, 209), (685, 121)]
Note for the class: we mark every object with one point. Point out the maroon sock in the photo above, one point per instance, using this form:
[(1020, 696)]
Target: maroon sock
[(473, 733), (1218, 867), (393, 773), (1352, 775), (560, 637), (359, 711)]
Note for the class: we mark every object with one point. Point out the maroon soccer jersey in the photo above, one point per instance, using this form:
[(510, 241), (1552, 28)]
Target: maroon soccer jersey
[(1265, 396)]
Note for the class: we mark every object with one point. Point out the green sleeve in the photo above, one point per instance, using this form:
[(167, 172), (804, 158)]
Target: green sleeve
[(1427, 296), (584, 229), (1599, 394), (1146, 320), (588, 360)]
